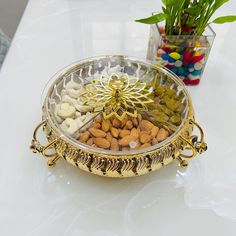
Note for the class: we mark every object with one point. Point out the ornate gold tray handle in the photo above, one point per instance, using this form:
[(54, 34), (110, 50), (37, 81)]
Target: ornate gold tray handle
[(192, 143), (36, 146)]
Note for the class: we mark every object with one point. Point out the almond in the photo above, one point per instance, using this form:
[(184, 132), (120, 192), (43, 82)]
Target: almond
[(146, 125), (145, 145), (90, 142), (123, 122), (101, 142), (116, 123), (129, 124), (154, 131), (114, 144), (126, 140), (98, 119), (96, 125), (84, 137), (139, 118), (145, 132), (97, 133), (124, 133), (135, 121), (106, 125), (114, 132), (145, 138), (135, 133), (162, 135), (154, 141), (109, 136)]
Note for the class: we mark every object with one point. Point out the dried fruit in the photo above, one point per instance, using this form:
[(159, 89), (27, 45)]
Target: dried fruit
[(123, 122), (98, 119), (106, 125), (154, 131), (124, 133), (90, 142), (129, 124), (135, 121), (126, 140), (96, 125), (114, 132), (162, 135), (154, 141), (146, 125), (109, 136), (116, 123), (84, 137), (135, 133), (101, 142), (145, 138), (114, 144), (145, 145), (97, 133)]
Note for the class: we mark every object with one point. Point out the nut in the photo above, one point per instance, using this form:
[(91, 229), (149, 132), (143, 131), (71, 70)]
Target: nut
[(126, 140), (129, 124), (154, 131), (135, 121), (162, 135), (109, 136), (123, 122), (124, 133), (135, 133), (65, 110), (154, 141), (114, 144), (114, 132), (96, 125), (145, 138), (97, 133), (105, 125), (84, 137), (101, 142), (116, 123), (90, 142), (145, 145), (98, 119), (69, 125), (146, 125)]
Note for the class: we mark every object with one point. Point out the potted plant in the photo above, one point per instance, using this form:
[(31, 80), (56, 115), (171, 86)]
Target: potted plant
[(181, 36)]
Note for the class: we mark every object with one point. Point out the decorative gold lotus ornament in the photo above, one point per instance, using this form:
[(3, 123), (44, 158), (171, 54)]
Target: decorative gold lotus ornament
[(117, 95)]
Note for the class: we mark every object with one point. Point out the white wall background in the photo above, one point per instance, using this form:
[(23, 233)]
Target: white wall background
[(10, 15)]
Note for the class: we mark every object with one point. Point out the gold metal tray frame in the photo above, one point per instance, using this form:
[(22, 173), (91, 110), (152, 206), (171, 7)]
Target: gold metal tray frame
[(124, 165)]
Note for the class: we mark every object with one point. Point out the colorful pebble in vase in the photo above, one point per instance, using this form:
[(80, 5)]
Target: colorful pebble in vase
[(187, 65)]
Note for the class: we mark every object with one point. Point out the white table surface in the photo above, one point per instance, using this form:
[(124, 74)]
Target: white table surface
[(67, 201)]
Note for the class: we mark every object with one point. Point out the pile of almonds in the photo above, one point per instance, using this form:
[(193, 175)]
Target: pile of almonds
[(128, 134)]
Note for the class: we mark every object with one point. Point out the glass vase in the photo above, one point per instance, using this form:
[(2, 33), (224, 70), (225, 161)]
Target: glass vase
[(185, 55)]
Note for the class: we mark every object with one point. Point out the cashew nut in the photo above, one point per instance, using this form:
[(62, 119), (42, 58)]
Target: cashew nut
[(80, 123), (65, 110), (68, 99), (69, 126), (58, 118), (73, 89), (63, 92)]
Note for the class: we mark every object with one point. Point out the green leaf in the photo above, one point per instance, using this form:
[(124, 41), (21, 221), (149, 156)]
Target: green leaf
[(224, 19), (164, 2), (219, 3), (153, 19), (193, 10)]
